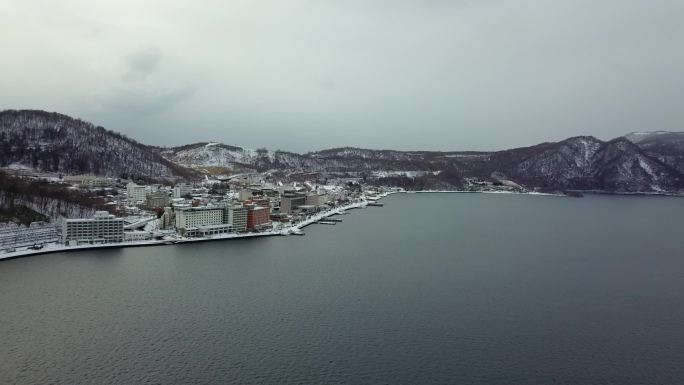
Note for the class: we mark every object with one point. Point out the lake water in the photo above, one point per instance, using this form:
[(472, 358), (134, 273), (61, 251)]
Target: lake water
[(430, 289)]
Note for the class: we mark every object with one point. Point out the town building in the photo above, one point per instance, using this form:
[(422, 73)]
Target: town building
[(137, 235), (236, 216), (157, 199), (181, 190), (258, 201), (168, 218), (137, 193), (101, 228), (290, 201), (90, 181), (316, 199), (207, 231), (193, 217), (245, 194), (258, 217)]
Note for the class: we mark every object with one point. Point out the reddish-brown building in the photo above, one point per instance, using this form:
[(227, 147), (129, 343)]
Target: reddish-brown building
[(258, 217)]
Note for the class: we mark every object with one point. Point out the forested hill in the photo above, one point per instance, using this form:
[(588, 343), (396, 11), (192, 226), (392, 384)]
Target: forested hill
[(53, 142), (648, 162)]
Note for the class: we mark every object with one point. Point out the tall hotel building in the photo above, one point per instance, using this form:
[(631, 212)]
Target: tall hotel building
[(101, 228), (193, 217)]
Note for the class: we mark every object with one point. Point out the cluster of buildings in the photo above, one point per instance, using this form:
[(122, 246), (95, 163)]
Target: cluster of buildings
[(244, 203), (201, 210)]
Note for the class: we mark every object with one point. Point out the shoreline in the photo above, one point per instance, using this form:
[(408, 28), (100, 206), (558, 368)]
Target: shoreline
[(287, 230), (483, 192), (589, 192), (292, 229)]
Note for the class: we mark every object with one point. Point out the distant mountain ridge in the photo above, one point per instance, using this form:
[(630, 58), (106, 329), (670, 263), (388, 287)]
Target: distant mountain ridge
[(579, 163), (638, 162)]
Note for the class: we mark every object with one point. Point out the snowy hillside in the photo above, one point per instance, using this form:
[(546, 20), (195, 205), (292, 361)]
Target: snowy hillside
[(639, 162), (57, 143), (668, 147)]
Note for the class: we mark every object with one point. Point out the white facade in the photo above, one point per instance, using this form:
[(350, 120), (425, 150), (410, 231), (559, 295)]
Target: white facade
[(89, 180), (137, 235), (237, 217), (181, 190), (101, 228), (245, 194), (198, 216), (137, 193)]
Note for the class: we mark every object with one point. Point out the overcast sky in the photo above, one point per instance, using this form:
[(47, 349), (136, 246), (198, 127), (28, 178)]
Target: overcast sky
[(302, 75)]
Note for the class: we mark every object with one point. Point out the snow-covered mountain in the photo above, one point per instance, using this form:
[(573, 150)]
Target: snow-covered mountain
[(348, 159), (587, 163), (583, 163), (53, 142), (216, 155), (668, 147), (638, 162)]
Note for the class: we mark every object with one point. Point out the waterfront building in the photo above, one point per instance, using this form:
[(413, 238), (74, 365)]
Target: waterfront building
[(193, 217), (101, 228), (137, 235), (207, 231), (308, 209), (316, 199), (290, 201), (182, 190), (236, 216), (258, 217), (167, 219)]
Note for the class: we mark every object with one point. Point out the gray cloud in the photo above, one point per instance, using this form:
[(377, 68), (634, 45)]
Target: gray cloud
[(142, 63), (147, 102), (144, 89), (303, 74)]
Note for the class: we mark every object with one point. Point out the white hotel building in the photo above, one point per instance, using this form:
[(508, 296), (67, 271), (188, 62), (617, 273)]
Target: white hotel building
[(198, 216), (136, 193), (201, 221), (181, 190), (101, 228)]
